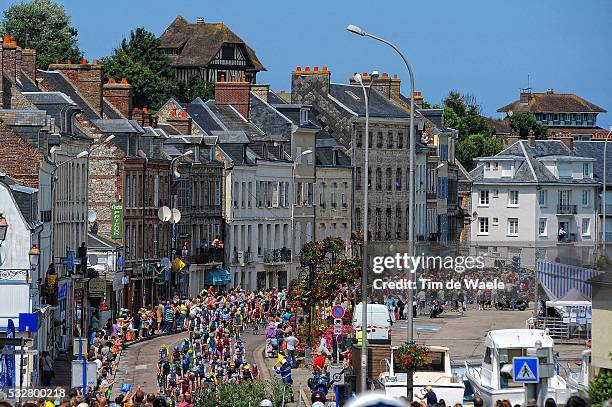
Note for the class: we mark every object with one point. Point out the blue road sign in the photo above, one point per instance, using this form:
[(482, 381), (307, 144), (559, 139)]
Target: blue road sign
[(338, 311), (525, 370)]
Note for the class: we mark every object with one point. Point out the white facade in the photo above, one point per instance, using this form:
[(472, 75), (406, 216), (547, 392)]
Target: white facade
[(549, 219), (258, 223)]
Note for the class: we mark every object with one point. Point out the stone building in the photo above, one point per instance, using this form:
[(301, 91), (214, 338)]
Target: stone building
[(340, 111), (209, 51)]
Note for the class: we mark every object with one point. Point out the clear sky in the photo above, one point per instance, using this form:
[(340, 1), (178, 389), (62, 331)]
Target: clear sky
[(483, 47)]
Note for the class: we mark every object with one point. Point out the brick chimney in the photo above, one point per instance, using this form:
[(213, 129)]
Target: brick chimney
[(531, 138), (9, 57), (119, 94), (237, 94), (28, 63), (525, 96), (395, 89), (512, 138), (418, 100), (305, 81), (567, 139), (382, 85), (86, 77), (181, 121), (261, 90)]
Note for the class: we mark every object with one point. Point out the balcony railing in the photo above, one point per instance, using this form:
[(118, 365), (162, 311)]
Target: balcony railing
[(568, 238), (566, 209), (608, 236), (207, 256), (608, 209), (242, 257), (275, 256)]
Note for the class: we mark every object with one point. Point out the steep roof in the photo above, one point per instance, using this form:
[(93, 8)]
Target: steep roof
[(351, 97), (499, 126), (200, 42), (531, 169), (553, 102)]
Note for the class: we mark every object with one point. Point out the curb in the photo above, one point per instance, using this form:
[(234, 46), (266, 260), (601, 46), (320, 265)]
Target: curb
[(260, 359)]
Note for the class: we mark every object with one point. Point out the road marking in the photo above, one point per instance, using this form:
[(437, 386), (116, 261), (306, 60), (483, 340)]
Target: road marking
[(140, 367)]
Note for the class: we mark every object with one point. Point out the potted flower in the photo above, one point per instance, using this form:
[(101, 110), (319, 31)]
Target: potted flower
[(409, 357)]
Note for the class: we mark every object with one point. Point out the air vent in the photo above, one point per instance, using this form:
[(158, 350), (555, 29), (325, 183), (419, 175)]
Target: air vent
[(351, 94)]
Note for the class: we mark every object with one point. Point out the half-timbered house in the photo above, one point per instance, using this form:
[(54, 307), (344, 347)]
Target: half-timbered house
[(208, 50)]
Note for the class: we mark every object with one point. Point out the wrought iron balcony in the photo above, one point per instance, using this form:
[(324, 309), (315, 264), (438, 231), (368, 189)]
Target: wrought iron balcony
[(277, 256), (564, 209), (208, 256)]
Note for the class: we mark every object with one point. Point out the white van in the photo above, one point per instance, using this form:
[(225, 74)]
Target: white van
[(379, 323)]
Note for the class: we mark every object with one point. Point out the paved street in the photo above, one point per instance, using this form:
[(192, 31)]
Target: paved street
[(464, 335), (138, 363)]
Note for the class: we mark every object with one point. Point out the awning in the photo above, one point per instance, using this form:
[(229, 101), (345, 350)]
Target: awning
[(217, 276), (557, 279)]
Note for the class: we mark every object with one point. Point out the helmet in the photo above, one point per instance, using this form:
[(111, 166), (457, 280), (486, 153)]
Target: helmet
[(176, 347), (265, 403), (164, 346), (317, 396), (318, 404)]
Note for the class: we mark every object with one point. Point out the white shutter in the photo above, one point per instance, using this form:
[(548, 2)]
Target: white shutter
[(275, 194)]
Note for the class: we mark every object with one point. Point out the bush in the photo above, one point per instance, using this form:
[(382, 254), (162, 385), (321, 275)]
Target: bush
[(245, 394), (600, 389)]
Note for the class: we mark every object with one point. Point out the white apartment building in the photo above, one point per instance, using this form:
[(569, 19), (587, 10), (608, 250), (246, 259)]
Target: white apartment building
[(259, 234), (535, 199)]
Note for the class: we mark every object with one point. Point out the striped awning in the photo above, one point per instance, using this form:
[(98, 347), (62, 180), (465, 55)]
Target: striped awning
[(557, 279)]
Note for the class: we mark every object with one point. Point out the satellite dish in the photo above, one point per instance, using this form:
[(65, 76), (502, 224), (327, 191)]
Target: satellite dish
[(176, 216), (93, 259), (164, 214), (91, 215)]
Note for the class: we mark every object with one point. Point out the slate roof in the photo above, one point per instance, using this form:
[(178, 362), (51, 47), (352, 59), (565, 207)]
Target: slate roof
[(26, 84), (553, 102), (274, 99), (595, 149), (499, 126), (553, 149), (351, 96), (231, 137), (435, 115), (232, 120), (52, 80), (200, 42), (119, 126)]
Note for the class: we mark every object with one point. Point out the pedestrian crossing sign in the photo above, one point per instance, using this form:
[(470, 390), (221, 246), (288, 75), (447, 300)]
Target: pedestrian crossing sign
[(525, 370)]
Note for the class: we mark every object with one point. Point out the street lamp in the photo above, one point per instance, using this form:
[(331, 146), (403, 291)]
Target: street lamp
[(174, 172), (603, 209), (364, 255), (3, 228), (411, 181), (34, 255)]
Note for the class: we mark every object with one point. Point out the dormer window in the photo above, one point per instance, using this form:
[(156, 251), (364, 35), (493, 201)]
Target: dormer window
[(303, 117), (565, 170), (586, 170), (488, 165)]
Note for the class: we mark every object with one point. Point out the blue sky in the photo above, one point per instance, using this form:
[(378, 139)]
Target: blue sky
[(483, 47)]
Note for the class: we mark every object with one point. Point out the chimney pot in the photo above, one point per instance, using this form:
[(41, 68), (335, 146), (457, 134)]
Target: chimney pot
[(200, 20), (307, 69), (7, 39), (69, 62), (299, 68), (222, 78), (183, 113), (233, 78), (394, 76), (316, 69), (57, 61), (124, 81), (385, 75), (324, 69), (83, 61), (550, 91), (95, 62), (111, 80)]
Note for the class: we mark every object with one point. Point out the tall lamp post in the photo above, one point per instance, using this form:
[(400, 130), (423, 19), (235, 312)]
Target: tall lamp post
[(603, 209), (411, 184), (364, 255)]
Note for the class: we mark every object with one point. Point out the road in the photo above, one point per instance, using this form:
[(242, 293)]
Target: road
[(138, 362)]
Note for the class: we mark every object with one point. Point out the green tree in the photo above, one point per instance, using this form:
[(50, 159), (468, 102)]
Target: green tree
[(477, 145), (150, 89), (44, 26), (143, 48), (148, 70), (193, 88), (524, 122)]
